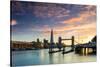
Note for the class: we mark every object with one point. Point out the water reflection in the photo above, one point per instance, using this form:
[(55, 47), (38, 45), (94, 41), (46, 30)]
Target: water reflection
[(41, 57), (51, 58)]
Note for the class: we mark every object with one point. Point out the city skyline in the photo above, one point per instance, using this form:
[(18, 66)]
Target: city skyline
[(32, 20)]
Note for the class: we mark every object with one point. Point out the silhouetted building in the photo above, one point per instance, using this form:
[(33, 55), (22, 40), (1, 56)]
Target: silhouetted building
[(45, 43), (51, 41), (21, 45), (38, 40)]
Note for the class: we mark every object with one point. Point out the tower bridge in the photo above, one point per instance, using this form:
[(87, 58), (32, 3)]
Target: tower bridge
[(76, 49), (60, 46)]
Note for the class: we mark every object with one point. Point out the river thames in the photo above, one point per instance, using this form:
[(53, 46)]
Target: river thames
[(42, 57)]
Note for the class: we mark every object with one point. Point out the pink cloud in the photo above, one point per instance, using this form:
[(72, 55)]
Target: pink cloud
[(83, 16), (13, 22)]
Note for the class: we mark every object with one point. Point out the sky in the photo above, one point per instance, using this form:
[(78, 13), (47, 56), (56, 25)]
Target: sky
[(32, 20)]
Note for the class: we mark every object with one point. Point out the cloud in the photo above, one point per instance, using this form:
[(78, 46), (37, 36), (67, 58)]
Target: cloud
[(81, 28), (45, 10), (41, 10), (84, 23), (83, 16), (13, 22), (83, 33), (72, 20)]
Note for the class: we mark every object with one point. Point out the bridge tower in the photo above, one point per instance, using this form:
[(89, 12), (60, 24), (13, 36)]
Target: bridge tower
[(59, 44), (72, 46)]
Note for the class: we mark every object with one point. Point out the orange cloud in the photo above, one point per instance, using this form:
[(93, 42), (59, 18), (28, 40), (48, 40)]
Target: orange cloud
[(72, 29), (85, 32), (83, 16), (73, 20), (79, 19), (13, 22)]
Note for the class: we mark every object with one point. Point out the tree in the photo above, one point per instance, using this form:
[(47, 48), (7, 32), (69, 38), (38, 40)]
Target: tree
[(94, 39)]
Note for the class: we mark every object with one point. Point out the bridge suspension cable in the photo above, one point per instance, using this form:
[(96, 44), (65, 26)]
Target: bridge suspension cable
[(76, 42)]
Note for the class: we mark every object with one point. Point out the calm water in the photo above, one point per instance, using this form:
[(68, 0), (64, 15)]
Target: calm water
[(41, 57)]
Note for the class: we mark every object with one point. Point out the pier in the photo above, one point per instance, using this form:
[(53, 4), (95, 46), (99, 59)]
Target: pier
[(84, 49)]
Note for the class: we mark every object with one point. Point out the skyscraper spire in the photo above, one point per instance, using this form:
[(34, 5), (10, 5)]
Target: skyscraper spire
[(51, 39)]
